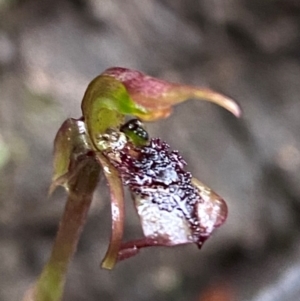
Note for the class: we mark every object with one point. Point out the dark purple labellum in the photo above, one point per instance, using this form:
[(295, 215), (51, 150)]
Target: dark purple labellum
[(167, 200)]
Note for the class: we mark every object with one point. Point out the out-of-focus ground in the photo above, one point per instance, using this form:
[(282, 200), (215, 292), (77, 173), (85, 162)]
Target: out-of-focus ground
[(249, 50)]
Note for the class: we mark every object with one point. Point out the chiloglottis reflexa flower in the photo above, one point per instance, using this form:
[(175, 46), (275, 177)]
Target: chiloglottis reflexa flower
[(174, 207)]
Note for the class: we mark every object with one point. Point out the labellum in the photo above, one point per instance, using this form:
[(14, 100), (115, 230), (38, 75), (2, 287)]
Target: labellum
[(174, 208)]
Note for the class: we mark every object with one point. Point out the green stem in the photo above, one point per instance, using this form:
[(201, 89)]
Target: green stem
[(50, 285)]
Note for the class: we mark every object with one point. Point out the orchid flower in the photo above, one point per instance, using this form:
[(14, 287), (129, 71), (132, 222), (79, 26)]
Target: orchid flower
[(118, 92), (174, 207)]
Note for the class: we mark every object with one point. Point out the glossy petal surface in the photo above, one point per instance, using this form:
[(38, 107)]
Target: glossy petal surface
[(213, 211), (117, 212)]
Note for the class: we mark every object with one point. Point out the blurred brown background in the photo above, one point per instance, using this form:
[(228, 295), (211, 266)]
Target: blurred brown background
[(249, 50)]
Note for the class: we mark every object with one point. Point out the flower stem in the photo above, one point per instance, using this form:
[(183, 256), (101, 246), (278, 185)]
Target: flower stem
[(50, 285)]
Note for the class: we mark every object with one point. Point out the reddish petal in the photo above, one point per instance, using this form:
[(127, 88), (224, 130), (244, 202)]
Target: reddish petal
[(212, 212), (117, 212), (159, 96)]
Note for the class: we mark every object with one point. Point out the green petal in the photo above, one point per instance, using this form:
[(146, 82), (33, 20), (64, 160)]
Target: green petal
[(105, 104), (71, 141)]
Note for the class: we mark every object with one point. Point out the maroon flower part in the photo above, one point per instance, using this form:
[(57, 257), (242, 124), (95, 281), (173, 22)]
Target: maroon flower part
[(158, 96), (173, 208)]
